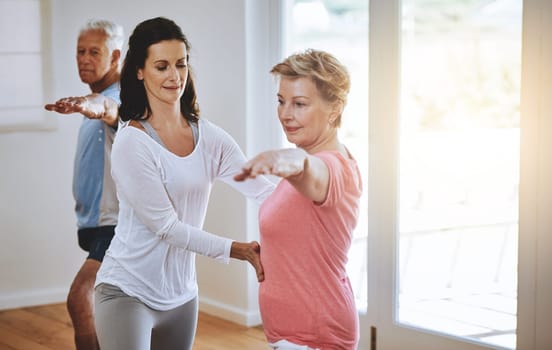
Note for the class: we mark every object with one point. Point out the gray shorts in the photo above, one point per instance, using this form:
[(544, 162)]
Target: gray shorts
[(125, 323)]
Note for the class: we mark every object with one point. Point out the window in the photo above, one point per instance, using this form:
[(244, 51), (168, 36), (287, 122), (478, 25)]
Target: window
[(459, 168), (457, 220), (22, 68), (341, 28)]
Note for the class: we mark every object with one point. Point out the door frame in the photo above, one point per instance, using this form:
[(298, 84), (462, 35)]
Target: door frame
[(535, 214)]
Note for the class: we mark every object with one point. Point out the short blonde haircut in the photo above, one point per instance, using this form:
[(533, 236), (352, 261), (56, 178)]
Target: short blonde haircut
[(330, 77)]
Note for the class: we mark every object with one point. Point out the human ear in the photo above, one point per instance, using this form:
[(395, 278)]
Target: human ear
[(336, 111), (115, 57)]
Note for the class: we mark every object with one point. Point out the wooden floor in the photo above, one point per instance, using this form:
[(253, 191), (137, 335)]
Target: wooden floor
[(48, 327)]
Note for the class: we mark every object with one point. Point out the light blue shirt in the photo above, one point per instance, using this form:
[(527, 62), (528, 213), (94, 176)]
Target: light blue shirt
[(93, 188)]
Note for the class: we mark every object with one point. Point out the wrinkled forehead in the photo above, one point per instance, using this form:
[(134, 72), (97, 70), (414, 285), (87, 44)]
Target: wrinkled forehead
[(92, 37), (294, 85)]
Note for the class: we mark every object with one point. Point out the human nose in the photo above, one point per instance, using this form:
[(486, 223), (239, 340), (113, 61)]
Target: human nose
[(174, 74), (82, 58), (285, 111)]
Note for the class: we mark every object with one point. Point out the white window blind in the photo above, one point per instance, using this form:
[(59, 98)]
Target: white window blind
[(22, 71)]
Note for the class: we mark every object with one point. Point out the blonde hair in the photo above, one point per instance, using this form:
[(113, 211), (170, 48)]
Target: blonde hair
[(330, 77)]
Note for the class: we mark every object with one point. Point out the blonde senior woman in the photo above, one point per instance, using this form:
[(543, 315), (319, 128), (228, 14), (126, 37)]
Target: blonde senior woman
[(306, 224)]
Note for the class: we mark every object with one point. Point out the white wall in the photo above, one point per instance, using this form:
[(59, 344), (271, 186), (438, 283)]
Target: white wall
[(39, 254)]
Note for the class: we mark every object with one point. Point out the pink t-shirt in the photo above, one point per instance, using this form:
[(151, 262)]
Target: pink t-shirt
[(306, 297)]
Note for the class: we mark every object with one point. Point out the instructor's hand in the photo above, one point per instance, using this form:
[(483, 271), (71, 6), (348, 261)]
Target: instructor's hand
[(250, 252)]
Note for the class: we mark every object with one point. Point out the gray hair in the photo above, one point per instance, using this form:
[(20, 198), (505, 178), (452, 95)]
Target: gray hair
[(114, 32)]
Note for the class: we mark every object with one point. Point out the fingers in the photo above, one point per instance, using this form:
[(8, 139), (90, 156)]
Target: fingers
[(243, 175), (256, 246), (66, 105), (248, 172), (259, 269), (254, 258), (250, 252), (253, 169), (260, 275), (282, 163)]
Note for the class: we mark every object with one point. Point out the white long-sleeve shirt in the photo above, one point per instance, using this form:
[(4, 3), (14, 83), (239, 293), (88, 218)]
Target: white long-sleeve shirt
[(163, 201)]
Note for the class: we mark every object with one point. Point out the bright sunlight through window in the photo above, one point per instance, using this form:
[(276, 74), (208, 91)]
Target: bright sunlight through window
[(459, 155), (341, 28)]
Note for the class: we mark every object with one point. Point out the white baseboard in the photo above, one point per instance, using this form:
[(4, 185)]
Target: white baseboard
[(229, 312), (32, 298), (59, 295)]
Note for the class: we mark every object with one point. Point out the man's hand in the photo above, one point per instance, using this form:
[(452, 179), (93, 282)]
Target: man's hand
[(67, 105), (93, 106)]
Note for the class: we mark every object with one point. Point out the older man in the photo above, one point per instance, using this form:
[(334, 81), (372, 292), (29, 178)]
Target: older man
[(98, 58)]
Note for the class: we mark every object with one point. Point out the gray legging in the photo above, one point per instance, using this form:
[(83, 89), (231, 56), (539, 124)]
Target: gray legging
[(125, 323)]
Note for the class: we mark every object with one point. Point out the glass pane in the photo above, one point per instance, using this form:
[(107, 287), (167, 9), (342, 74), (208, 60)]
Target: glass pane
[(459, 166), (341, 28)]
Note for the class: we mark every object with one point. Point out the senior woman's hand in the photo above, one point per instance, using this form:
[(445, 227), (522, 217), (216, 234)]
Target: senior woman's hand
[(284, 163)]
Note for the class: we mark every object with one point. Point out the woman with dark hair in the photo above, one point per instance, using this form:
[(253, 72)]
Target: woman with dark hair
[(164, 162)]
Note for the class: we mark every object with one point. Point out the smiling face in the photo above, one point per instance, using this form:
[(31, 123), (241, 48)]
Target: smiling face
[(305, 117), (165, 71)]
